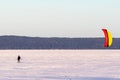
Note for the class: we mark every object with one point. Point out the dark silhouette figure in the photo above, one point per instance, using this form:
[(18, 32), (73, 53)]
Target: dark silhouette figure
[(18, 58)]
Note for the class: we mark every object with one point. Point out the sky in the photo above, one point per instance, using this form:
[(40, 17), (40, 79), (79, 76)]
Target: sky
[(59, 18)]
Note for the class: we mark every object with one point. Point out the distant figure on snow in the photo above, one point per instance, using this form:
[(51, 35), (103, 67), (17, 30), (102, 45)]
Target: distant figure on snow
[(18, 58)]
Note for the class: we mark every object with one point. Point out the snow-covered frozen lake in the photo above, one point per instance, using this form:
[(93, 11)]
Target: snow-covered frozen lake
[(60, 65)]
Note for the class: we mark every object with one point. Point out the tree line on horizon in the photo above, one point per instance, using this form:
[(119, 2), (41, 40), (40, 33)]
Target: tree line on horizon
[(19, 42)]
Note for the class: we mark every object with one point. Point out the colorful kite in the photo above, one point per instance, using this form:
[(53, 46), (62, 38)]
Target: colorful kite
[(108, 38)]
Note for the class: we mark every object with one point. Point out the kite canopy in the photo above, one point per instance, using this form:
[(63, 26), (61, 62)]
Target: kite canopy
[(108, 38)]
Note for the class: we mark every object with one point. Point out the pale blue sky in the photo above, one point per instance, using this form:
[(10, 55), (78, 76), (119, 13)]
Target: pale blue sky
[(59, 18)]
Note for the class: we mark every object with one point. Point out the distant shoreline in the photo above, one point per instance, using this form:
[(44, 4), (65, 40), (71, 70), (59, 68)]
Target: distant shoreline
[(56, 43)]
